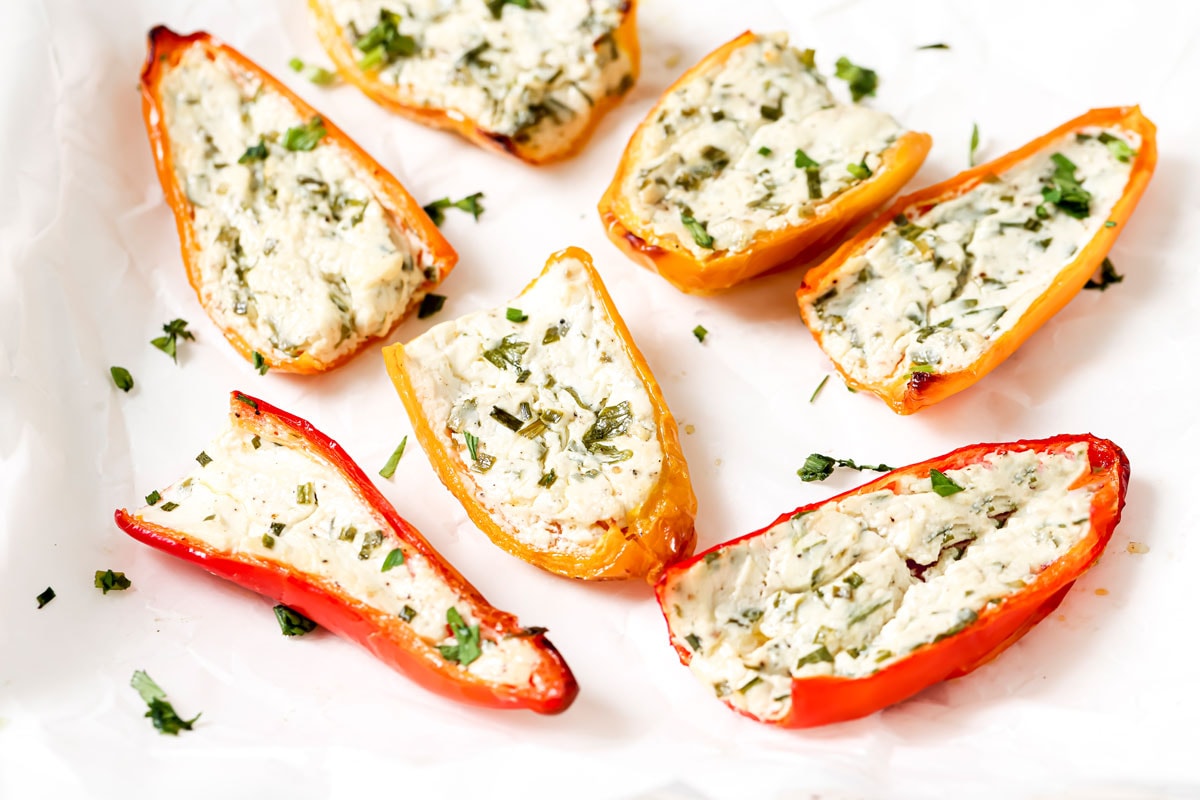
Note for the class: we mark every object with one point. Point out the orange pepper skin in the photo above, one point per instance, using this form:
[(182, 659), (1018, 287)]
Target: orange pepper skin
[(826, 699), (165, 50), (552, 687), (770, 249), (908, 394), (341, 51), (659, 532)]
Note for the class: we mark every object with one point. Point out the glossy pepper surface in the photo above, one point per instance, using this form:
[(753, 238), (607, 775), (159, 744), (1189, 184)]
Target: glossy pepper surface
[(166, 49), (825, 699), (906, 393), (770, 248), (551, 687)]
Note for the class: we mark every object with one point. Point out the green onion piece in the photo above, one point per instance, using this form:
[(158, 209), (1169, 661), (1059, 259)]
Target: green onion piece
[(470, 204), (370, 541), (818, 467), (241, 398), (860, 170), (347, 534), (153, 498), (506, 419), (108, 581), (854, 580), (555, 332), (256, 441), (817, 391), (764, 151), (268, 541), (260, 363), (277, 528), (169, 506), (547, 480), (1110, 224), (317, 75), (293, 623), (121, 378), (772, 113), (804, 162), (305, 494), (430, 305), (303, 138), (1121, 151), (698, 230), (942, 485), (813, 176), (394, 559), (699, 332), (974, 144), (935, 46), (204, 459), (45, 597), (821, 654), (515, 315), (257, 152), (407, 613), (693, 642), (467, 648), (389, 469), (160, 712), (384, 43), (507, 353), (174, 330)]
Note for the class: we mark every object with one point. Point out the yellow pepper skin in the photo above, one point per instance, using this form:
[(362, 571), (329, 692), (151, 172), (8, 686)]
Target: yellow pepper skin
[(341, 51), (656, 534), (721, 270), (907, 393)]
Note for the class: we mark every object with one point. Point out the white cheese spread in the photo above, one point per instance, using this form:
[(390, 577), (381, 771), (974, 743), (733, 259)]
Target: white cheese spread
[(856, 584), (754, 144), (547, 414), (934, 290), (296, 255)]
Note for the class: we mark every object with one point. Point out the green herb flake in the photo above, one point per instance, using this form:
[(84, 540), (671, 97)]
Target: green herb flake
[(515, 315), (256, 441), (45, 597), (389, 469), (804, 162), (817, 391), (935, 46), (1064, 190), (467, 648), (303, 138), (256, 152), (693, 642), (407, 613), (496, 7), (547, 480), (772, 113), (818, 467), (966, 616), (243, 399), (472, 445), (508, 420), (204, 459), (268, 541), (470, 204), (749, 684), (108, 581), (974, 144), (430, 305), (314, 74), (555, 332), (854, 580), (862, 81), (764, 151), (292, 622), (174, 330), (1108, 276), (259, 363), (394, 559), (384, 43), (1110, 224), (277, 528), (610, 421), (306, 495), (698, 230), (821, 654), (507, 353), (169, 506), (860, 171), (942, 485), (121, 377), (153, 498), (370, 541), (160, 712), (1120, 150), (699, 332)]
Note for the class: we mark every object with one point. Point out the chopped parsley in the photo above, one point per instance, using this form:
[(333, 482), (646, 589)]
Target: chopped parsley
[(698, 230), (812, 171), (430, 305), (314, 74), (804, 162), (817, 391), (45, 597), (384, 43), (860, 170), (507, 353), (293, 623), (1064, 190), (394, 559), (1121, 151), (515, 315), (370, 541), (255, 152), (153, 498), (764, 151), (305, 137), (699, 332), (204, 459), (610, 421), (174, 330), (259, 363), (862, 81), (160, 712), (468, 647), (389, 469), (496, 7), (974, 144), (122, 378), (818, 467), (943, 485), (1108, 276), (469, 204)]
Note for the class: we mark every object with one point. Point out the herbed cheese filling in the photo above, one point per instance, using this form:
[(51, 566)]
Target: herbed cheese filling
[(267, 496), (854, 585), (543, 405), (296, 253), (935, 289), (751, 145), (529, 71)]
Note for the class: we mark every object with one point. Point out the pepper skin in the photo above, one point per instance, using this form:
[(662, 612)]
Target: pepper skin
[(769, 249), (909, 393), (825, 699), (659, 532), (341, 51), (166, 48), (552, 686)]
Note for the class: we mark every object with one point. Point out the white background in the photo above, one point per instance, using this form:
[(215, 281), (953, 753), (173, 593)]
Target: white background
[(1101, 697)]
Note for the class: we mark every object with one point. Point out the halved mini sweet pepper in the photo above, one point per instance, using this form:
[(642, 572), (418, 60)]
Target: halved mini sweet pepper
[(278, 507), (545, 421), (466, 67), (948, 282), (748, 163), (844, 607), (300, 247)]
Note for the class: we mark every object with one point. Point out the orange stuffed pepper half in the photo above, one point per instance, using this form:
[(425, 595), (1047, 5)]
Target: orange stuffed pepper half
[(531, 79), (841, 608), (278, 507), (301, 247), (747, 163), (544, 420), (947, 283)]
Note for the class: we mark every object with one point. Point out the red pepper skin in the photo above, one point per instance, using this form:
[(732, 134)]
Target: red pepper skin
[(826, 699), (552, 687)]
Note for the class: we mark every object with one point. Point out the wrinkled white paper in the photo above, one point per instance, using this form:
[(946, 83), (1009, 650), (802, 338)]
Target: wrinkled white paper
[(1098, 701)]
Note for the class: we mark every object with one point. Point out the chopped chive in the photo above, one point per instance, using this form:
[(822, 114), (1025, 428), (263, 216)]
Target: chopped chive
[(693, 642), (277, 528), (943, 485), (1121, 151), (306, 495), (817, 391), (122, 378), (293, 623), (370, 541), (108, 581), (935, 46), (45, 597), (1110, 224), (389, 469), (407, 613), (821, 654), (394, 559), (547, 480), (854, 580), (257, 152), (153, 498), (764, 151), (698, 230), (315, 74), (515, 315), (472, 445), (169, 506), (860, 170), (303, 138), (256, 441), (699, 332), (506, 419), (268, 541), (204, 459), (430, 305), (241, 398), (260, 363), (974, 144)]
